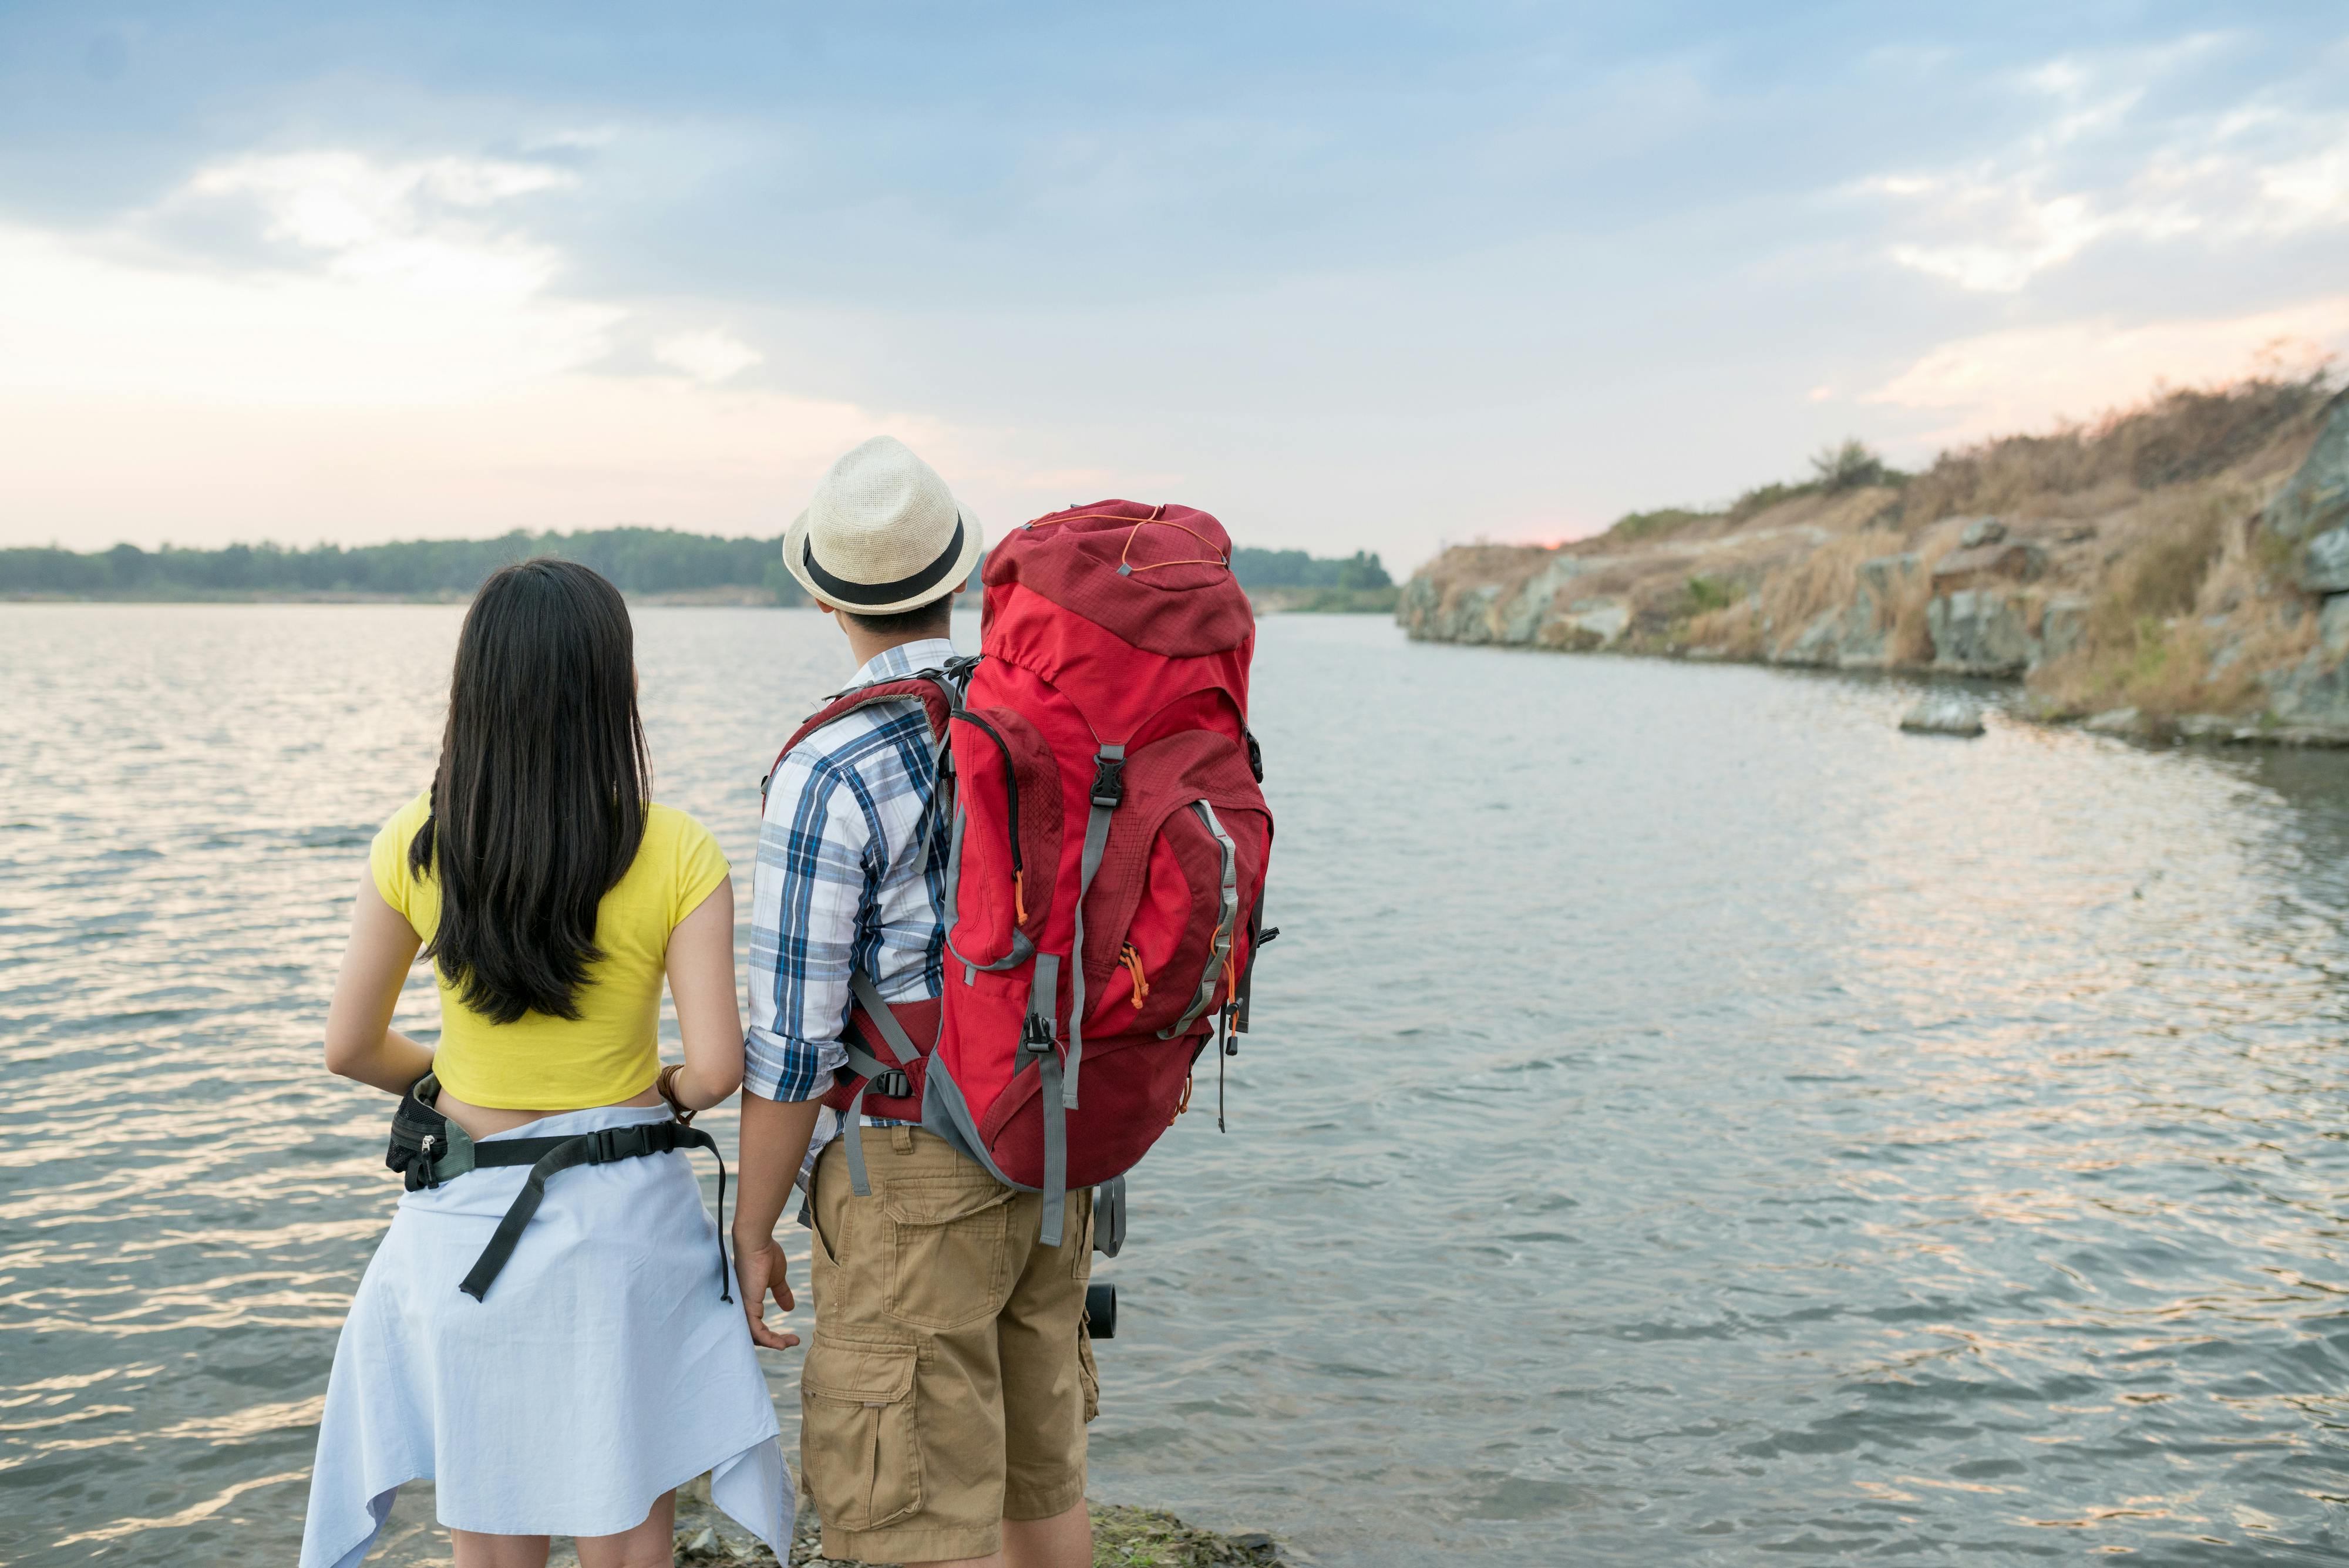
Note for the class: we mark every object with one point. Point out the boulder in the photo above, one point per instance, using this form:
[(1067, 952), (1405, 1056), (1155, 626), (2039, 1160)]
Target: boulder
[(2063, 626), (1944, 713), (1819, 642), (1866, 640), (1430, 614), (2333, 625), (1587, 623), (2313, 693), (2316, 498), (1980, 531), (2009, 560), (1469, 617), (1415, 607), (1857, 635), (2324, 562), (1982, 631), (2215, 727), (1882, 578), (1521, 618), (2115, 721)]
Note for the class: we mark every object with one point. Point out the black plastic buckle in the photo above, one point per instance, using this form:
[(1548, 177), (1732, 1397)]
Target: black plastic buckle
[(606, 1144), (1036, 1035), (1109, 780), (893, 1084)]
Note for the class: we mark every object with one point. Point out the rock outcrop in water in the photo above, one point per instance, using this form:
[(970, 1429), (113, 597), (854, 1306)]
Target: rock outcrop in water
[(2189, 560), (1944, 713)]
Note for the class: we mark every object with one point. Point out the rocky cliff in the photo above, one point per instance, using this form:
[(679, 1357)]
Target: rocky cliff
[(2188, 560)]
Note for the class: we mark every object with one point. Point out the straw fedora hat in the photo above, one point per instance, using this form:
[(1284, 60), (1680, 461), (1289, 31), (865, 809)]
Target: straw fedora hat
[(883, 534)]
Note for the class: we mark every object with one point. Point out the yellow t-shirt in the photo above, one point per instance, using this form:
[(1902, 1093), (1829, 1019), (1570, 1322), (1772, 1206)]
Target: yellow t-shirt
[(611, 1051)]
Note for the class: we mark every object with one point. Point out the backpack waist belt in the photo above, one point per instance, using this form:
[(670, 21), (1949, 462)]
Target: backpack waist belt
[(429, 1149)]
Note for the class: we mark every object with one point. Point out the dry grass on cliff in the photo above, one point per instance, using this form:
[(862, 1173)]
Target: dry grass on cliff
[(1822, 580), (2178, 437), (2189, 612)]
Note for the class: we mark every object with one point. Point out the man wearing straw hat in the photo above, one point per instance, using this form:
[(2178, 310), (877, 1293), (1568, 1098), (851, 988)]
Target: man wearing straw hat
[(851, 876)]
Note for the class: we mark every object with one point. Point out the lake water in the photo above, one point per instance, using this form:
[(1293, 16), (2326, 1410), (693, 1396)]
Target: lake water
[(1688, 1121)]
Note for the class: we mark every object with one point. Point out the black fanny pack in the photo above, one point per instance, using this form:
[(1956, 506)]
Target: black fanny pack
[(428, 1149)]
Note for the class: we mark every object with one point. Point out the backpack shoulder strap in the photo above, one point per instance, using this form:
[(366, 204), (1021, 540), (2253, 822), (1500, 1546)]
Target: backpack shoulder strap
[(939, 691)]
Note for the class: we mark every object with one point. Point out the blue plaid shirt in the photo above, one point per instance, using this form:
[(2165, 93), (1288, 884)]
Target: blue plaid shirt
[(841, 884)]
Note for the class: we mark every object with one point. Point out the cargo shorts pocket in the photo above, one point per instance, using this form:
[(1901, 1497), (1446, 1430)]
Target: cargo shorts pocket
[(858, 1442), (949, 1249)]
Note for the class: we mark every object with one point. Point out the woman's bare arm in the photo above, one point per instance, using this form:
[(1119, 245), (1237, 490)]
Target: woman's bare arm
[(701, 981), (360, 1040)]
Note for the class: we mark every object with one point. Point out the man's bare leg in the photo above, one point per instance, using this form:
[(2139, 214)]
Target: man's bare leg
[(1063, 1541)]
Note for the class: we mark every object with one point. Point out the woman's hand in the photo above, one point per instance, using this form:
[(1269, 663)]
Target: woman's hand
[(758, 1267)]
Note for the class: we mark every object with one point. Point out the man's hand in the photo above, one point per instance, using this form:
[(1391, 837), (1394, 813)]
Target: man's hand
[(774, 1144), (758, 1267)]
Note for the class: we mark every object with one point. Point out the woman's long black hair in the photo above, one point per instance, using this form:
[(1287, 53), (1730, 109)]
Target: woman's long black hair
[(539, 803)]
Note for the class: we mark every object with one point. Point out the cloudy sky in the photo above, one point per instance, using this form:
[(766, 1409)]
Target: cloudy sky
[(1346, 275)]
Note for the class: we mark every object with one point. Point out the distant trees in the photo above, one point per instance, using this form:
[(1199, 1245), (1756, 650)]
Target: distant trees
[(1295, 569), (639, 560)]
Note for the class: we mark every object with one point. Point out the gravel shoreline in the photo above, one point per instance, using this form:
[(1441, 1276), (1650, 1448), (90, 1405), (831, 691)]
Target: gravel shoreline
[(1123, 1538)]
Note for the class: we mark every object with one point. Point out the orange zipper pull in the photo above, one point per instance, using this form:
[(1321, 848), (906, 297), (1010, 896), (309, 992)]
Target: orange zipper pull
[(1133, 962)]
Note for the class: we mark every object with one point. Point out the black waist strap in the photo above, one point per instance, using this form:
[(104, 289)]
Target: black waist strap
[(547, 1156)]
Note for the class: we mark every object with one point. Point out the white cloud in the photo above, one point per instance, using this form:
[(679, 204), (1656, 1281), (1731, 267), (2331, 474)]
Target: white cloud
[(2029, 377), (393, 284), (2256, 173), (402, 364), (712, 356)]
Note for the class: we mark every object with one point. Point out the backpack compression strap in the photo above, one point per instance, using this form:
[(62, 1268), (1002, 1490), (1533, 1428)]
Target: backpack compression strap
[(1057, 1078)]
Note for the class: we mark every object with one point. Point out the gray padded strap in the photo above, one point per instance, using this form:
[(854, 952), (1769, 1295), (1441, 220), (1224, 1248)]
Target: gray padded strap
[(1227, 920), (937, 793), (1056, 1153), (1043, 1000), (863, 1063), (866, 1066), (852, 1133), (1044, 990), (1096, 841), (868, 997)]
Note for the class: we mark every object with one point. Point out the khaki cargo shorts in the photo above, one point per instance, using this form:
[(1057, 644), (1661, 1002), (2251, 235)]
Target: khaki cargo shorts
[(949, 1380)]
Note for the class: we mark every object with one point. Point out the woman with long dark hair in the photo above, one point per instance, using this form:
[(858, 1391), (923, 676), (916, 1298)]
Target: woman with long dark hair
[(546, 1329)]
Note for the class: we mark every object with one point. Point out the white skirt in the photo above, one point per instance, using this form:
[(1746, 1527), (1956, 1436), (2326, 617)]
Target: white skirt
[(601, 1370)]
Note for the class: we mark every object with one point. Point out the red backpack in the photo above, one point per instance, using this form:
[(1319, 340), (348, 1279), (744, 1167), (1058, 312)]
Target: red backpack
[(1106, 880)]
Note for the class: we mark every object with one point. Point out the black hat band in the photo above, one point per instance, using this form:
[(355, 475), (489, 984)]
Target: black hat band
[(851, 595)]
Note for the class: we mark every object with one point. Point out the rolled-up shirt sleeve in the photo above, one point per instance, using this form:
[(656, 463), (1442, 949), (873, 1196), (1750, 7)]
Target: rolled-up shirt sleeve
[(808, 896)]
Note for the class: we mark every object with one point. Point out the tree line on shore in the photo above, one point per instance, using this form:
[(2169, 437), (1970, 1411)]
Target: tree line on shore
[(638, 560)]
